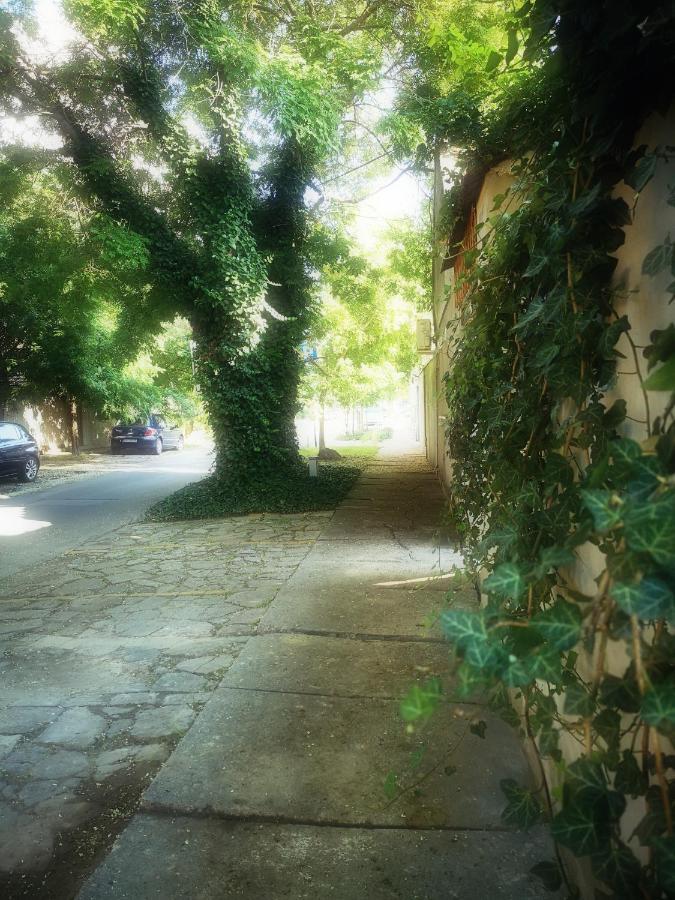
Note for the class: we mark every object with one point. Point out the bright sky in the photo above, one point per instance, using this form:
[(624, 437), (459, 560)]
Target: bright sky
[(392, 203)]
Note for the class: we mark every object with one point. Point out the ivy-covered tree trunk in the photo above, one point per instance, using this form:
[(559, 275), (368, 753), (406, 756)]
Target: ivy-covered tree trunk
[(251, 391), (252, 403)]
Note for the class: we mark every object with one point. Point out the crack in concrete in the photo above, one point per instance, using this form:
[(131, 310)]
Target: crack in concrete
[(208, 813)]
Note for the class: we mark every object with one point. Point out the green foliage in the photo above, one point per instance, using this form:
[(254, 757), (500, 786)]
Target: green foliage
[(539, 467), (215, 497), (221, 120), (362, 331), (522, 808), (421, 701)]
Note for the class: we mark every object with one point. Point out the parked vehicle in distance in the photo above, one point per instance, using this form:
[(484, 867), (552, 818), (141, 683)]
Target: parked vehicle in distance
[(19, 452), (147, 435)]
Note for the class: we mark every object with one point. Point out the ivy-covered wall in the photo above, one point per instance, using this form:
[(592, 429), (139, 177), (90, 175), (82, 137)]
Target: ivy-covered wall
[(646, 300)]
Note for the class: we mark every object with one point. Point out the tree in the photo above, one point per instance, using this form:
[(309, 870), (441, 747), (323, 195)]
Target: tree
[(153, 110), (75, 308), (362, 335)]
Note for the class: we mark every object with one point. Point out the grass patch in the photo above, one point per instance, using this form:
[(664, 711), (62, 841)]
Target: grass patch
[(365, 451), (214, 498)]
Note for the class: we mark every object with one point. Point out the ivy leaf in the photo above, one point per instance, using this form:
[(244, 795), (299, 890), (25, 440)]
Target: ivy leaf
[(616, 414), (560, 625), (421, 700), (549, 744), (587, 774), (553, 558), (500, 537), (545, 664), (578, 700), (663, 379), (624, 452), (522, 808), (658, 706), (649, 599), (465, 629), (662, 346), (650, 528), (612, 334), (505, 581), (629, 778), (585, 200), (582, 825), (644, 477), (608, 725), (603, 507), (658, 258), (623, 693), (664, 860), (619, 868), (549, 874), (653, 823), (643, 172), (535, 308), (545, 355)]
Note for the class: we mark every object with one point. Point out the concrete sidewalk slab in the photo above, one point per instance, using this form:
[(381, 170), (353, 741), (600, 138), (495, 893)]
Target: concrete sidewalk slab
[(207, 859), (303, 758), (298, 778), (372, 611), (333, 666)]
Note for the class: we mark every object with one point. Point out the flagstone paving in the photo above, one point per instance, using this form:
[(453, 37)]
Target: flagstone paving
[(106, 657)]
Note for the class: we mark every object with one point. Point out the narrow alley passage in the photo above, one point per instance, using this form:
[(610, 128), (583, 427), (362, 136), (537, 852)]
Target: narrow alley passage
[(278, 788)]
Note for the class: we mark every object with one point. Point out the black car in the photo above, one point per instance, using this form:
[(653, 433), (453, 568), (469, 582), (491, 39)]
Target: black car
[(19, 452), (148, 435)]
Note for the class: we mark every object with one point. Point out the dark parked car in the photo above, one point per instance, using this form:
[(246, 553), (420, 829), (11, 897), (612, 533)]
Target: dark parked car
[(19, 452), (149, 435)]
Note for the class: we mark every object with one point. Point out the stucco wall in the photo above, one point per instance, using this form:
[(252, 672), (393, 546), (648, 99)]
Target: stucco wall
[(48, 424), (646, 303)]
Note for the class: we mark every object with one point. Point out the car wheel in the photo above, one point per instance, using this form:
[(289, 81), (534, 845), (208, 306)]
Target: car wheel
[(181, 443), (30, 470), (158, 447)]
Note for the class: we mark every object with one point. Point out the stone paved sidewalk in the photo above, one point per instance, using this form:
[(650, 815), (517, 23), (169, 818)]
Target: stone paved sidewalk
[(107, 655), (278, 788)]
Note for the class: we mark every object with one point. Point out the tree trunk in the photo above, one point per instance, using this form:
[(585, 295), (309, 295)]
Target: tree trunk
[(73, 426), (322, 427), (251, 388), (252, 405)]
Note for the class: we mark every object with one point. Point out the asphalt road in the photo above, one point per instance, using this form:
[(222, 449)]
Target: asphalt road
[(41, 523)]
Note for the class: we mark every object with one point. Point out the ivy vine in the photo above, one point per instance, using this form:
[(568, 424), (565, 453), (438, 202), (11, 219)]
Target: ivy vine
[(542, 467)]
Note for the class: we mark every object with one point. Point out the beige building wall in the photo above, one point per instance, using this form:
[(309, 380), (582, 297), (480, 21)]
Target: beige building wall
[(645, 301), (48, 423)]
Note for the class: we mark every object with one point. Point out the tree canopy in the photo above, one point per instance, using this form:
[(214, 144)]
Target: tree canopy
[(198, 130)]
